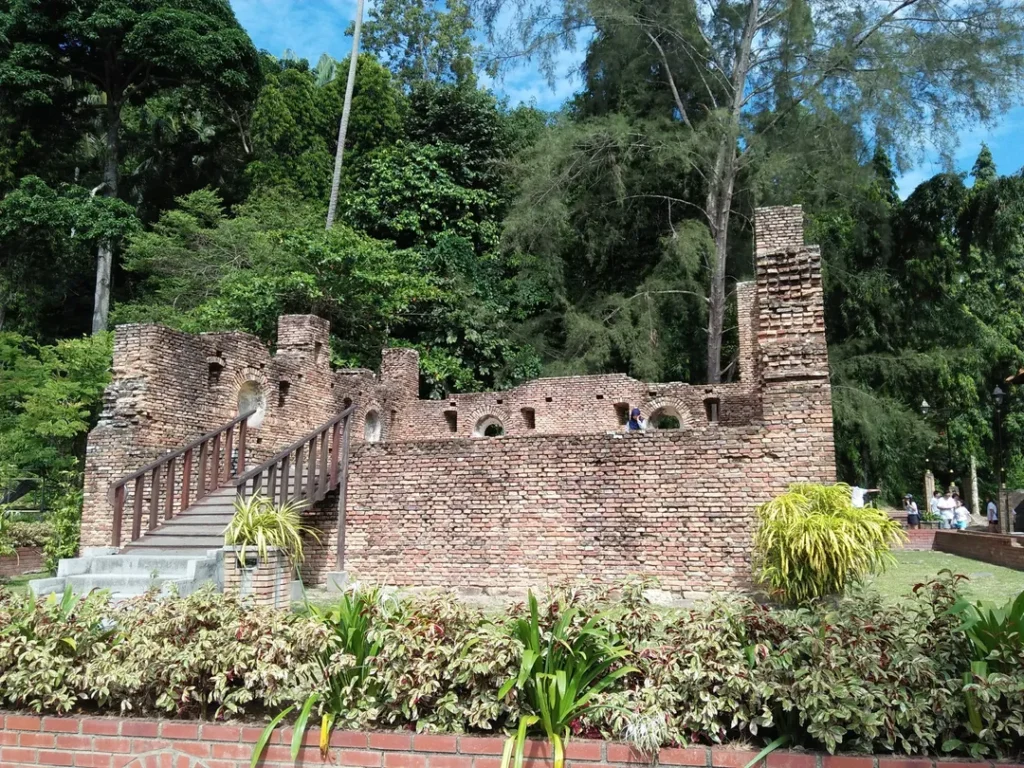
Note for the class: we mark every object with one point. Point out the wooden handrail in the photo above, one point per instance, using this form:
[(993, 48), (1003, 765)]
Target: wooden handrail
[(214, 471), (305, 471)]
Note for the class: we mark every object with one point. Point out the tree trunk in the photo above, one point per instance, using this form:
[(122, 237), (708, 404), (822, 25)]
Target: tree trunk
[(720, 192), (105, 255), (975, 499), (345, 111)]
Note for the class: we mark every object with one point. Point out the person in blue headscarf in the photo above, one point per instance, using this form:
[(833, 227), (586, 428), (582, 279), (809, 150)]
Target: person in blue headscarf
[(636, 423)]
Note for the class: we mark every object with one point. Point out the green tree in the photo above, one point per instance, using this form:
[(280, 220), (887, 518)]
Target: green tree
[(295, 119), (122, 53), (887, 67), (421, 42), (984, 170), (47, 238)]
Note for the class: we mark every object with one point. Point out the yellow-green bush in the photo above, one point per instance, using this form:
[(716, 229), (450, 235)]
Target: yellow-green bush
[(812, 542)]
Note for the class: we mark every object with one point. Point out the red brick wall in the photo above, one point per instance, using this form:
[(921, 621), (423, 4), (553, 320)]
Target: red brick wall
[(920, 539), (92, 742), (513, 513), (27, 560), (994, 548)]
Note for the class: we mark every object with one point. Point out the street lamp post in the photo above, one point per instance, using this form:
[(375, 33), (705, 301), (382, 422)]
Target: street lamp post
[(1004, 516)]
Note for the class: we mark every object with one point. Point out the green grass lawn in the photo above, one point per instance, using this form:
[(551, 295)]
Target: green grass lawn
[(19, 584), (985, 582)]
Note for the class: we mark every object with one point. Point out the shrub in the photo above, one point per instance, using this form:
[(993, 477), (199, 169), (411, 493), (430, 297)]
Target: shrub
[(206, 654), (812, 542), (65, 518), (45, 647), (440, 664), (30, 534)]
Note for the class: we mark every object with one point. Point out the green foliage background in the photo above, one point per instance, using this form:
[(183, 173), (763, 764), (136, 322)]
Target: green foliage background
[(501, 242)]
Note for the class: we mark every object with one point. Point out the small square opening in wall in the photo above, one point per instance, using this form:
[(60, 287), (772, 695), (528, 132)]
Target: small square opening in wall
[(452, 419), (453, 404), (711, 407), (529, 418), (284, 388), (652, 394), (622, 413), (500, 401), (547, 399), (600, 397), (213, 377)]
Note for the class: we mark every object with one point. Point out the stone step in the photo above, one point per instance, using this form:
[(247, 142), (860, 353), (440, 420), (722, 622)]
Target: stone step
[(173, 541), (129, 565)]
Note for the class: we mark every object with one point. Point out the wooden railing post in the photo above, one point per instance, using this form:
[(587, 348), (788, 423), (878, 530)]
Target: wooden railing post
[(229, 442), (115, 538), (204, 455), (140, 482), (243, 433), (214, 480), (186, 479), (343, 492), (311, 465), (169, 499), (154, 498), (321, 482)]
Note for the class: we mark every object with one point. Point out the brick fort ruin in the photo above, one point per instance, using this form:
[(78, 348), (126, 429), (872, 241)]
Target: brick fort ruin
[(431, 499)]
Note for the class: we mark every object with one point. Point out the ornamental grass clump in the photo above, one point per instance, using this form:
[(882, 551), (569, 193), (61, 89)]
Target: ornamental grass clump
[(813, 543), (260, 523)]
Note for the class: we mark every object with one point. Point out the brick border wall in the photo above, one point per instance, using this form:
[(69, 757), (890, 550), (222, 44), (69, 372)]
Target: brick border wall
[(95, 742), (27, 560), (994, 548)]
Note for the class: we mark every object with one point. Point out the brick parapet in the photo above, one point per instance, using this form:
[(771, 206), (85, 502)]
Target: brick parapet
[(994, 548), (111, 742), (24, 560), (512, 513)]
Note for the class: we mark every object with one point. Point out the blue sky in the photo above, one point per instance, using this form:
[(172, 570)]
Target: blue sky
[(312, 27)]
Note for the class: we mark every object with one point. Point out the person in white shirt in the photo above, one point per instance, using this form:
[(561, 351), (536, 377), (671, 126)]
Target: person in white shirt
[(859, 496), (913, 515), (947, 510), (993, 517), (961, 515), (934, 503)]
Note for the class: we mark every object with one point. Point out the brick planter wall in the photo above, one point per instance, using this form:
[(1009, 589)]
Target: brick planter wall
[(994, 548), (920, 539), (28, 560), (270, 578), (93, 742)]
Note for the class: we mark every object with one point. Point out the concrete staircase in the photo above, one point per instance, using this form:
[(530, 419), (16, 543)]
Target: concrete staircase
[(184, 551), (130, 575)]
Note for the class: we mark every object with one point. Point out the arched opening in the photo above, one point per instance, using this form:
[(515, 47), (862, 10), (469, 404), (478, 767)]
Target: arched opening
[(665, 418), (371, 427), (489, 426), (252, 398)]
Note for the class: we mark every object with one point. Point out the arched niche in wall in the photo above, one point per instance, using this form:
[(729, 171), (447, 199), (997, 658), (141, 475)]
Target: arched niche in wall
[(251, 397), (667, 413), (489, 426), (372, 427)]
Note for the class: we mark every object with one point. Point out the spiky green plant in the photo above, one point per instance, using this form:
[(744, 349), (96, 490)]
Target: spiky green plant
[(561, 671), (812, 542), (351, 620), (260, 523)]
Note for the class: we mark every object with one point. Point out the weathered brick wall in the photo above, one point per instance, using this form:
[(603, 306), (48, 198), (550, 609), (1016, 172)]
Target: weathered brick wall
[(169, 388), (995, 548), (513, 513), (111, 742), (25, 560), (269, 581), (519, 511)]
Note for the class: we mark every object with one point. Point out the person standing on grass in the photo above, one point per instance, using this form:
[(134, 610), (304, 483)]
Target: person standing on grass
[(913, 514), (933, 505), (993, 516)]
